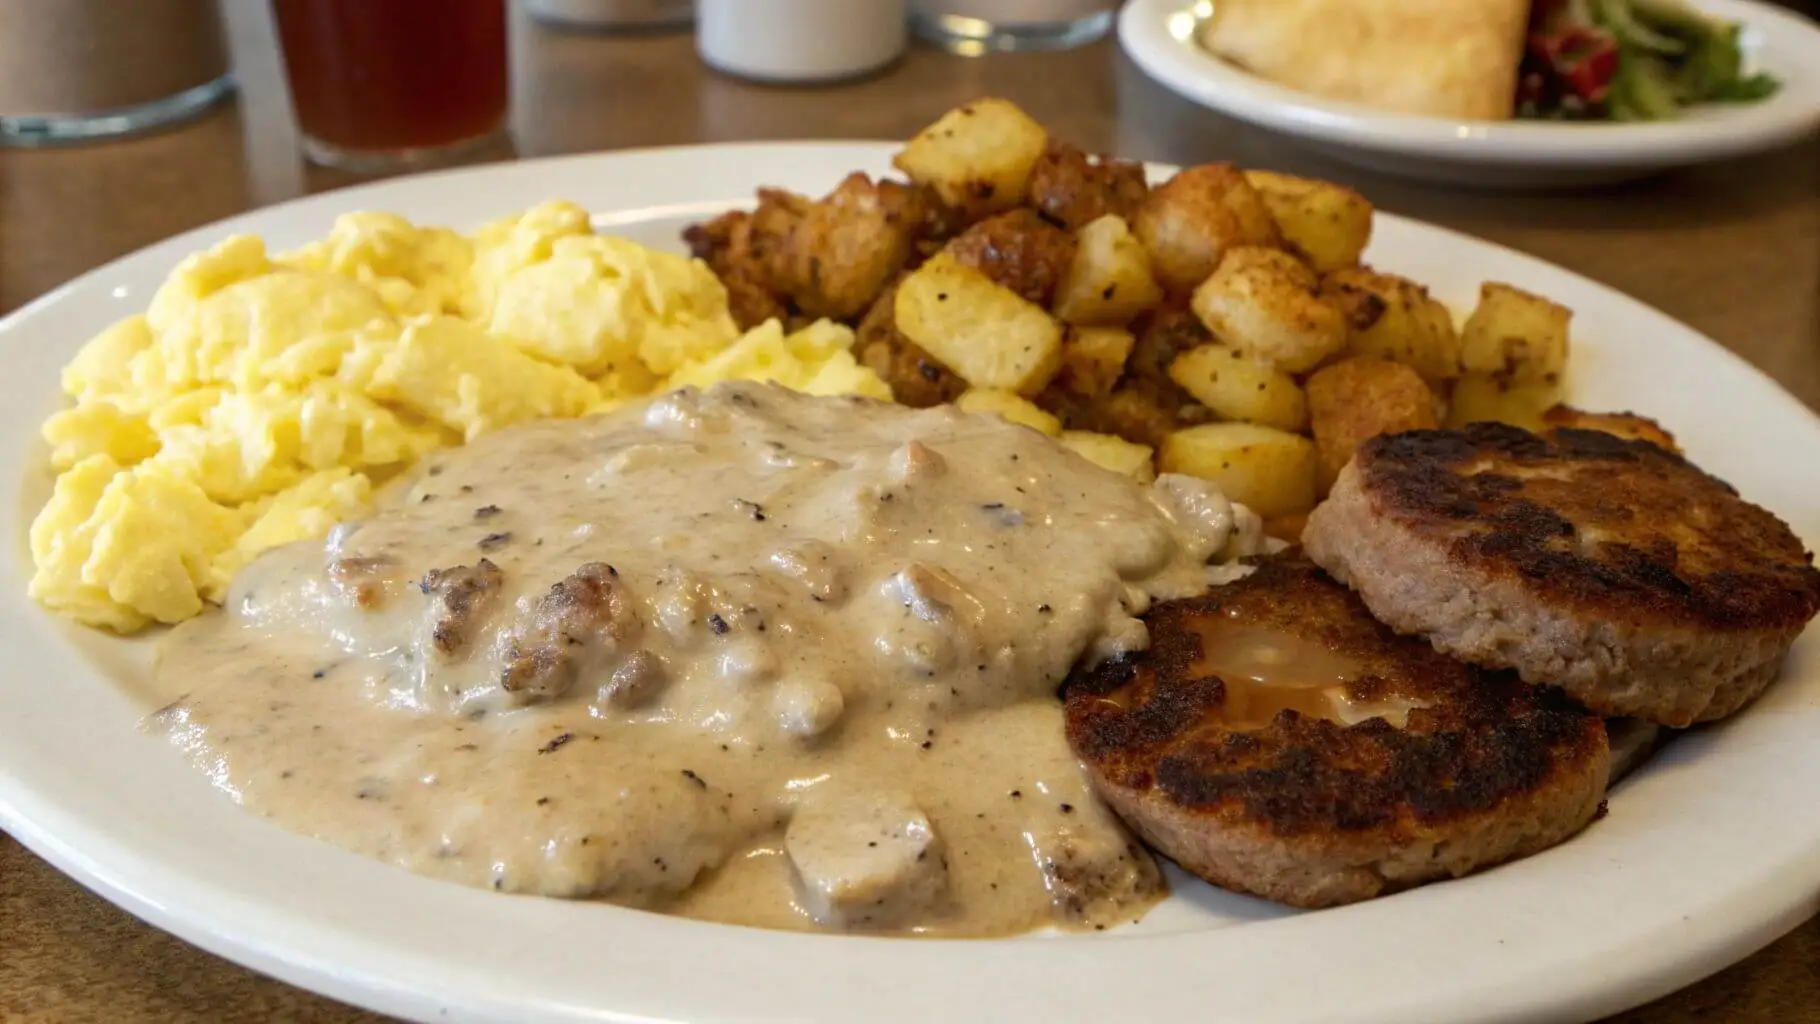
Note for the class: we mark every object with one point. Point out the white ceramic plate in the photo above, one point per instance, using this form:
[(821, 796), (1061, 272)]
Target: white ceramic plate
[(1160, 35), (1708, 854)]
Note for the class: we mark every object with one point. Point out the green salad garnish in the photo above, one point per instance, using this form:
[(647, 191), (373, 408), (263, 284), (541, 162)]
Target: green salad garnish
[(1631, 60)]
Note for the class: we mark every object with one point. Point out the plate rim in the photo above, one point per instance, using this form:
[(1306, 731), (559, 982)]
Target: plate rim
[(1145, 33), (1763, 910)]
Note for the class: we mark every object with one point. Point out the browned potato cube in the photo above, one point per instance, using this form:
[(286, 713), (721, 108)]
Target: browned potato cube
[(916, 377), (1010, 407), (1326, 224), (1479, 397), (1394, 318), (744, 248), (1133, 411), (843, 251), (977, 157), (1074, 189), (1516, 336), (1094, 357), (1110, 281), (1019, 250), (1190, 221), (1354, 400), (1272, 472), (985, 332), (1620, 424), (1263, 303), (1238, 387), (1114, 453)]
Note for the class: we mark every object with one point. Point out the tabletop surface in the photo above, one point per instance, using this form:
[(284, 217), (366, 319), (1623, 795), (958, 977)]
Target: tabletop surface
[(1732, 249)]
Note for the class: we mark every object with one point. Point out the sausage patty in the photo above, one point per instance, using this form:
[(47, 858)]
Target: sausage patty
[(1300, 807), (1611, 568)]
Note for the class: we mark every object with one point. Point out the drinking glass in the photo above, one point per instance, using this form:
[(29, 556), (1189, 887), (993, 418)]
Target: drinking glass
[(972, 27), (380, 85), (77, 70)]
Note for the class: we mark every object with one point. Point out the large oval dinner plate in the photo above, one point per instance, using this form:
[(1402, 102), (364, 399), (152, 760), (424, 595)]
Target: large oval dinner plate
[(1161, 36), (1710, 852)]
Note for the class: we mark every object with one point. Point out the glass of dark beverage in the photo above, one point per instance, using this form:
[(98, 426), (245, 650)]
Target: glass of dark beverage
[(386, 84)]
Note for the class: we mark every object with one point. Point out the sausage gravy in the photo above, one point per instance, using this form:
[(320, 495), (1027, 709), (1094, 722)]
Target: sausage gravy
[(742, 654)]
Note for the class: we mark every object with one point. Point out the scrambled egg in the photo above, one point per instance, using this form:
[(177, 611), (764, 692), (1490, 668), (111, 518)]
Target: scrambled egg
[(817, 360), (262, 397)]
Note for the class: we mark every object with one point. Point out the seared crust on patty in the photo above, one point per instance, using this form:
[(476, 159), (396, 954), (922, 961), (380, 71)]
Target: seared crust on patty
[(1312, 812), (1608, 567)]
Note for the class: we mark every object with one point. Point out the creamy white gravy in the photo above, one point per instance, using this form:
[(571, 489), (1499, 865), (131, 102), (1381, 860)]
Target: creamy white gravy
[(741, 654)]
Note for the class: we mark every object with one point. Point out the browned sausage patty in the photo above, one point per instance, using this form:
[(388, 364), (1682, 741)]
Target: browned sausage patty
[(1608, 567), (1307, 810)]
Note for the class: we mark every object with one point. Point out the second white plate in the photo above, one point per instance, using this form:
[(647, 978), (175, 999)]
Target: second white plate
[(1160, 35)]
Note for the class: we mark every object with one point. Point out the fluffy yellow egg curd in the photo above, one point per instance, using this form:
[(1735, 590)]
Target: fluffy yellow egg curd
[(262, 397)]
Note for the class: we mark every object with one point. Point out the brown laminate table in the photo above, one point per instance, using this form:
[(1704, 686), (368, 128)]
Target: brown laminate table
[(1732, 249)]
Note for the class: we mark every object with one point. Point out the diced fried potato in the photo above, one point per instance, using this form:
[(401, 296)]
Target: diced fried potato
[(1394, 318), (1095, 357), (1356, 399), (1009, 406), (1270, 471), (1263, 303), (977, 157), (982, 331), (1238, 387), (1131, 410), (1478, 397), (843, 250), (1326, 224), (1620, 424), (1109, 281), (1019, 250), (916, 378), (1190, 221), (744, 249), (1516, 336), (1073, 189), (1114, 453)]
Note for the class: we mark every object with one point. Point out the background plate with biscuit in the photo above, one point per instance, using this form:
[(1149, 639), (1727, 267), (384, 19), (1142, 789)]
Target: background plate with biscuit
[(1458, 147)]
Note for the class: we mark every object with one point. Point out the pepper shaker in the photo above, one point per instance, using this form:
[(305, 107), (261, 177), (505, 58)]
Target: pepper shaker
[(800, 40)]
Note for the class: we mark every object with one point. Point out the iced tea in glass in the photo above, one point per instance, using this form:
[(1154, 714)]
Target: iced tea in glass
[(380, 84)]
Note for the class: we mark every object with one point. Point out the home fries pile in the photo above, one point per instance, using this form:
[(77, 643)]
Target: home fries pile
[(261, 398), (1219, 324)]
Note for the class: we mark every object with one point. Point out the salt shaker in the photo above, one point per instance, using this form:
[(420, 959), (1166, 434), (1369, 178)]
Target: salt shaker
[(799, 40)]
